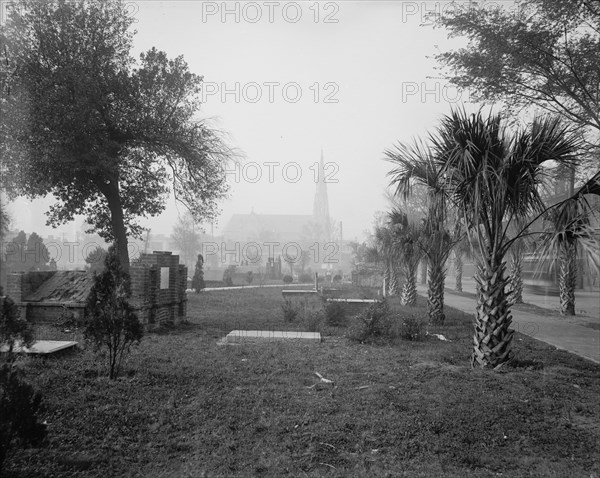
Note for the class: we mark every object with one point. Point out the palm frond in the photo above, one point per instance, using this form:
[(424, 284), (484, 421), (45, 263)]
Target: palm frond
[(495, 176), (414, 164), (591, 186), (570, 222)]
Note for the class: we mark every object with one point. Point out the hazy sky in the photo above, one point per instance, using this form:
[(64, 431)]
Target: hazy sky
[(350, 77)]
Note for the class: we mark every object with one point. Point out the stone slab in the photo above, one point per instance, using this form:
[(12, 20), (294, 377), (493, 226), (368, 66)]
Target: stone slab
[(237, 336), (354, 301), (42, 347), (299, 292)]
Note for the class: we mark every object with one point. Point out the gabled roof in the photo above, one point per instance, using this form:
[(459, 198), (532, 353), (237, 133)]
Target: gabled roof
[(252, 226), (63, 286)]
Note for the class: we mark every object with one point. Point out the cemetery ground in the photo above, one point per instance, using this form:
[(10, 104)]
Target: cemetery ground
[(188, 407)]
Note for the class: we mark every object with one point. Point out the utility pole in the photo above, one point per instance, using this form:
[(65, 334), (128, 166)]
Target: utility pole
[(341, 244)]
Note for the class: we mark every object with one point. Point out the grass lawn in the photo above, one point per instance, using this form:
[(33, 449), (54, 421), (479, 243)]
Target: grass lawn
[(186, 407)]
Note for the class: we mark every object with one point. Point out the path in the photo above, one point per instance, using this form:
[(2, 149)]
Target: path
[(560, 332), (587, 303)]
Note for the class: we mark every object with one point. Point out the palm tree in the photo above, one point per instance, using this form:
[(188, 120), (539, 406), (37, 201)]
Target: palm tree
[(493, 179), (384, 238), (567, 236), (406, 236), (415, 164), (436, 244)]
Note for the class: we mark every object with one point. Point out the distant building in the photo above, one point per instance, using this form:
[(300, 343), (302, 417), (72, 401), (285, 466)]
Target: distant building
[(243, 230), (268, 227)]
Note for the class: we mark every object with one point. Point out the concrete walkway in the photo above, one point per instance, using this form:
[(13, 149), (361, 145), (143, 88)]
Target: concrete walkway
[(587, 303), (562, 333)]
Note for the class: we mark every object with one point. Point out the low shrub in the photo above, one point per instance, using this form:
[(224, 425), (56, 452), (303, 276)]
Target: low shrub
[(313, 320), (375, 324), (287, 279), (367, 293), (290, 311), (305, 278), (412, 327), (337, 278), (20, 408), (228, 276), (20, 404), (334, 313)]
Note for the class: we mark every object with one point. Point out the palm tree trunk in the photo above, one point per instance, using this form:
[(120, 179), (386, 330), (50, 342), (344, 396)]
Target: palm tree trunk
[(568, 278), (393, 289), (516, 279), (458, 270), (386, 278), (409, 289), (435, 293), (493, 338), (424, 265)]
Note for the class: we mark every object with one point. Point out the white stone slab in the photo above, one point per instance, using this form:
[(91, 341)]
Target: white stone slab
[(270, 335), (41, 347), (299, 292), (354, 301)]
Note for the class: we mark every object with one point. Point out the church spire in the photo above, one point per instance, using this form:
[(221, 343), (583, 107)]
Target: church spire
[(321, 204)]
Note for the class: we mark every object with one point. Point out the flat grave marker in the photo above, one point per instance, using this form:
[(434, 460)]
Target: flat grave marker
[(298, 292), (239, 336), (42, 347)]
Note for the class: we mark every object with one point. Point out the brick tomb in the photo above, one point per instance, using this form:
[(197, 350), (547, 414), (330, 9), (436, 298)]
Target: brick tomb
[(158, 284)]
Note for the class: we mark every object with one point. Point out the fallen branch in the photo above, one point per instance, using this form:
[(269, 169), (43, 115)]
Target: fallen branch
[(326, 444), (323, 379)]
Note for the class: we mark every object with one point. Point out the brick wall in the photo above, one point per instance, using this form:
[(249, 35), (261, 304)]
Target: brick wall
[(156, 305), (40, 312), (14, 286)]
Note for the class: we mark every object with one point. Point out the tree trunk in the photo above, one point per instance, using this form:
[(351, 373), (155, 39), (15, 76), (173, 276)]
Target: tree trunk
[(111, 192), (435, 293), (409, 289), (492, 338), (568, 278), (386, 278), (516, 279), (393, 284), (458, 271), (424, 265)]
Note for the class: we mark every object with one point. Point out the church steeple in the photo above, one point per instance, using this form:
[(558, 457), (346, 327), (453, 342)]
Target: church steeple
[(321, 203)]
